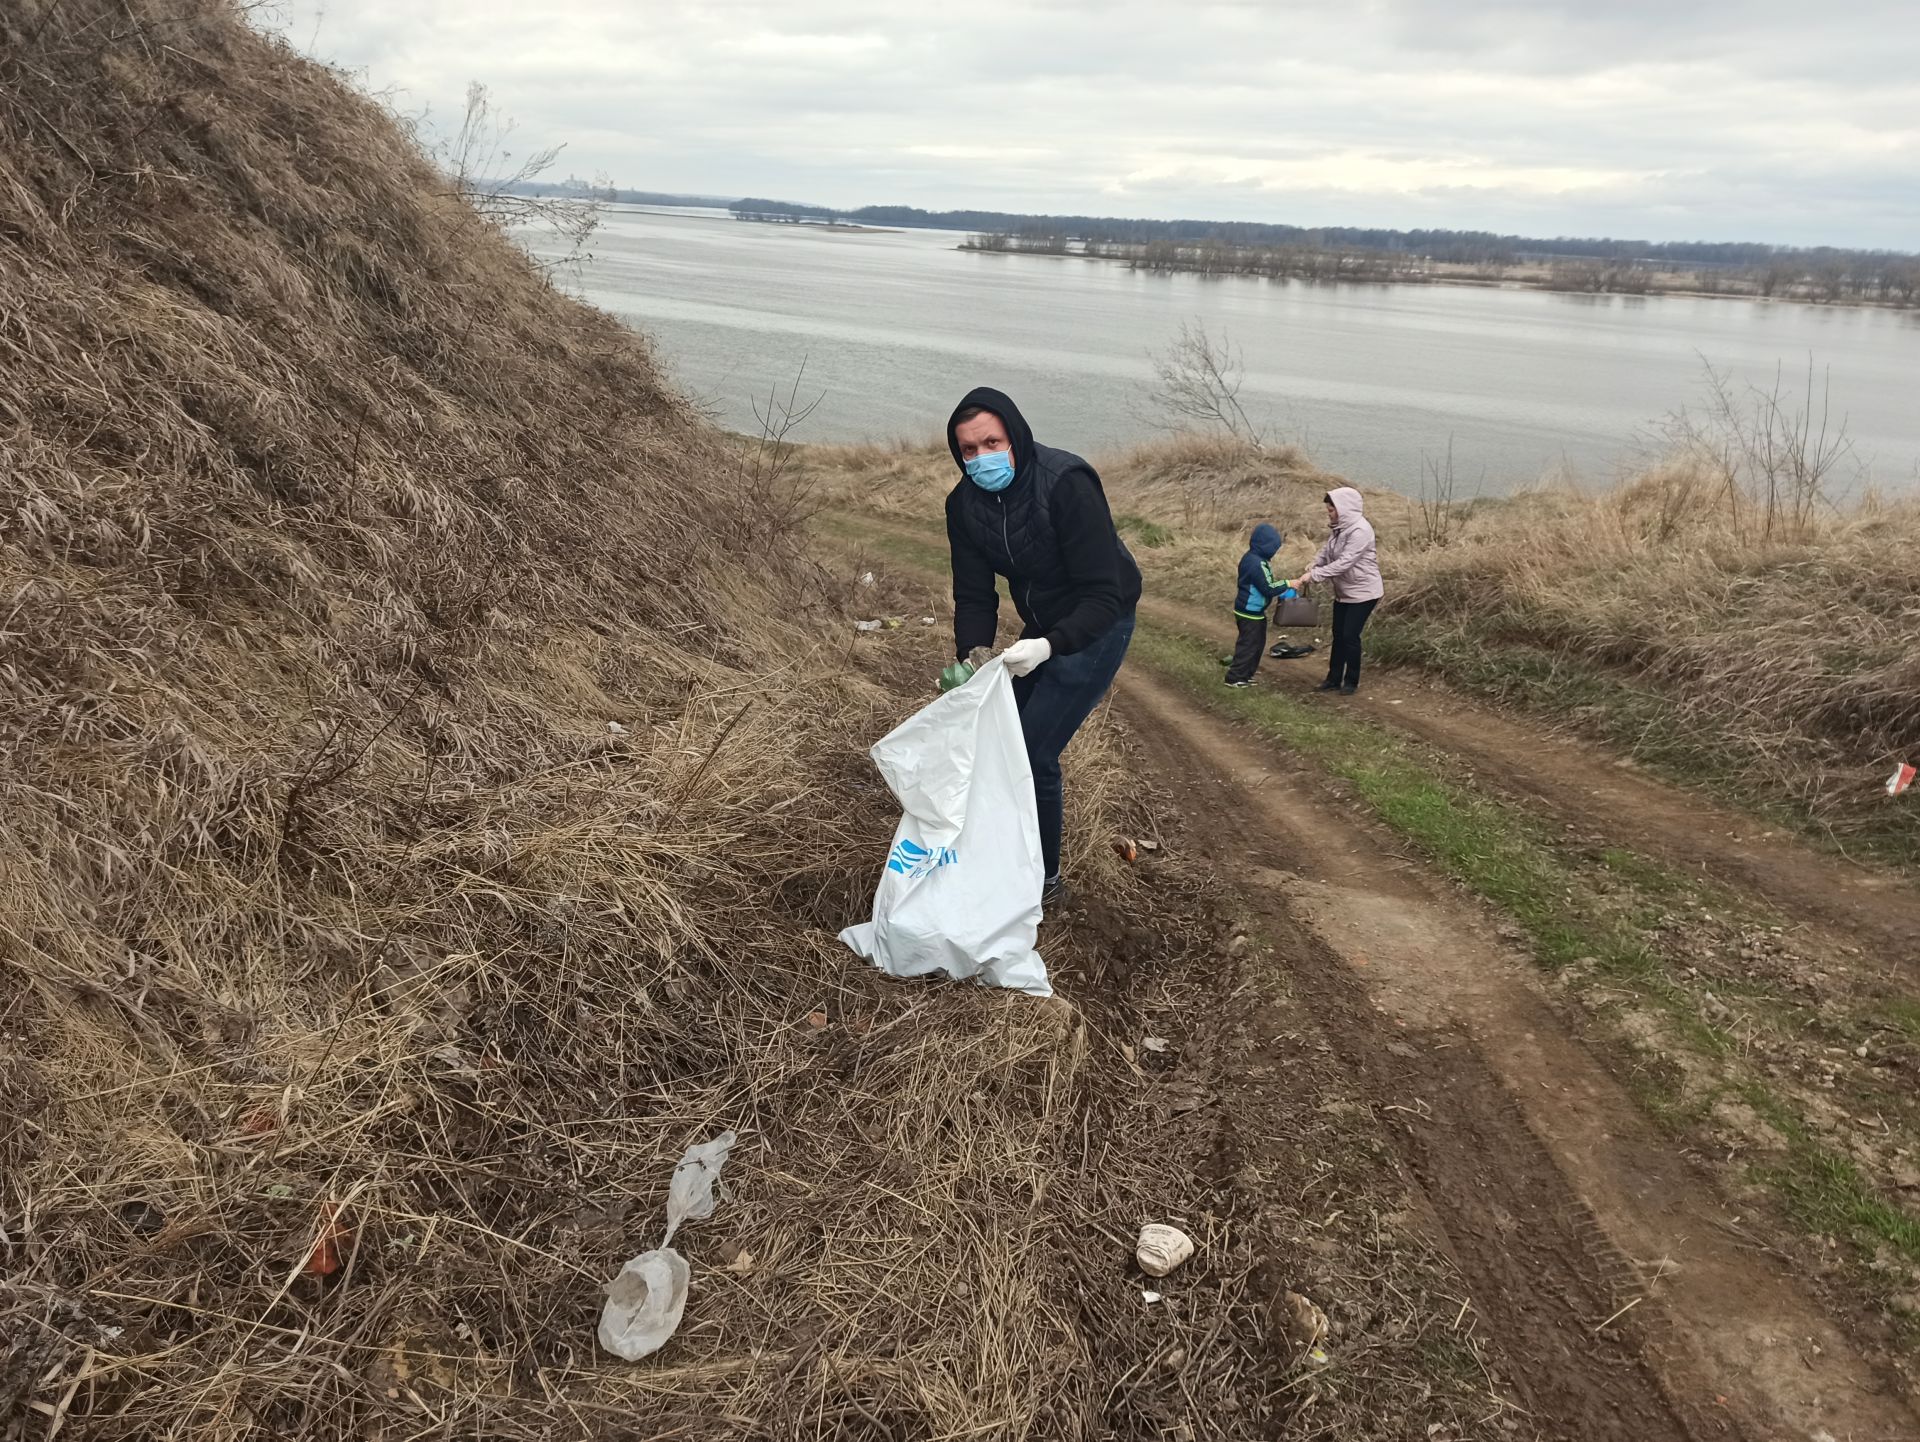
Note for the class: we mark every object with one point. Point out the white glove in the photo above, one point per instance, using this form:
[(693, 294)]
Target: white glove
[(1024, 656)]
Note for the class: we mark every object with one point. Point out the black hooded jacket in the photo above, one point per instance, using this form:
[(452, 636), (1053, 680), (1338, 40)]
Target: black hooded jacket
[(1049, 533)]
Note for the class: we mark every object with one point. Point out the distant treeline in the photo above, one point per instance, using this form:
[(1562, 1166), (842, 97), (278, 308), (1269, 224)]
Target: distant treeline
[(1821, 275), (573, 188), (1353, 252), (1463, 247)]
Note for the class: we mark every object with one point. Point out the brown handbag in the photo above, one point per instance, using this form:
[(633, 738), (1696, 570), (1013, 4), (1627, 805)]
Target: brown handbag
[(1298, 611)]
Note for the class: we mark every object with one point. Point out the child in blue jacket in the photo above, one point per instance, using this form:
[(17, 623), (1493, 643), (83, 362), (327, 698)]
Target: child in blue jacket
[(1254, 592)]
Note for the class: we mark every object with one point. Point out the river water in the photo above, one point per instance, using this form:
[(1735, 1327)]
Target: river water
[(1375, 380)]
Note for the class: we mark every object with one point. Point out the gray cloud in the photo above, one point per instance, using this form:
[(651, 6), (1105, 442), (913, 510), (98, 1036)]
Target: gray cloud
[(1722, 119)]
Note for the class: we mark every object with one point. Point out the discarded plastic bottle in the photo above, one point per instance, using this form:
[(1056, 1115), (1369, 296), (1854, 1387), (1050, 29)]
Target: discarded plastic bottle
[(958, 674)]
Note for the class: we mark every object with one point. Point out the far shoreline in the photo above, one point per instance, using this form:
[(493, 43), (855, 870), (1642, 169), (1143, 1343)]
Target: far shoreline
[(1462, 282), (1469, 282)]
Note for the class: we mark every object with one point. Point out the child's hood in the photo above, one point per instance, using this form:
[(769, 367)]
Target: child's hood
[(1266, 541)]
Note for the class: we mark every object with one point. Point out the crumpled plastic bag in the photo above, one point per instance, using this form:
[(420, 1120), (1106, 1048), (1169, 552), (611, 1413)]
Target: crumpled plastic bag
[(644, 1304), (646, 1301), (691, 1195)]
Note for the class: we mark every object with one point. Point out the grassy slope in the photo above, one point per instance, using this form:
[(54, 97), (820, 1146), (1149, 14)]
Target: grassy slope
[(413, 840), (409, 829)]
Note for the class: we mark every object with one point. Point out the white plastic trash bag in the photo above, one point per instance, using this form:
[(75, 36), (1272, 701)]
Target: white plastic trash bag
[(961, 890)]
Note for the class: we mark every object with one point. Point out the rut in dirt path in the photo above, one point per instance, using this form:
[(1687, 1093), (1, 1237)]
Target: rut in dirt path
[(1559, 1200), (1583, 784)]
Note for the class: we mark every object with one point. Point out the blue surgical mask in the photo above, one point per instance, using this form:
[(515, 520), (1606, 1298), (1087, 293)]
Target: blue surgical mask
[(991, 470)]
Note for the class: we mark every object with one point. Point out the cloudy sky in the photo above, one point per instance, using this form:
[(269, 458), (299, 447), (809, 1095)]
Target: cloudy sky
[(1778, 120)]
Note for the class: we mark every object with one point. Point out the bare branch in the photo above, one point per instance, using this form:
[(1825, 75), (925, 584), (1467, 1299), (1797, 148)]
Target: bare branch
[(1771, 454), (1439, 488), (779, 502), (486, 174), (1198, 383)]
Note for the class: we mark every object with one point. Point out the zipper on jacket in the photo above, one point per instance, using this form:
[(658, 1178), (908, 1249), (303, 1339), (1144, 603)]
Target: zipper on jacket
[(1007, 541)]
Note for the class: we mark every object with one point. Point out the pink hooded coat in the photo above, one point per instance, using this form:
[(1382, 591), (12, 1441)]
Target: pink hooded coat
[(1348, 558)]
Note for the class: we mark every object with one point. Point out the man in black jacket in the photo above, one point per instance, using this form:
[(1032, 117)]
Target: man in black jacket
[(1039, 517)]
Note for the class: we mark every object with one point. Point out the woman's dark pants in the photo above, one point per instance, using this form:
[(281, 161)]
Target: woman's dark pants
[(1349, 620)]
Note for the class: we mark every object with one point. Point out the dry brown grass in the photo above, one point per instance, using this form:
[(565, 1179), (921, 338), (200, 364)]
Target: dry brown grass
[(1200, 482), (1786, 665), (1660, 612), (902, 481), (1207, 493), (332, 540), (1216, 484)]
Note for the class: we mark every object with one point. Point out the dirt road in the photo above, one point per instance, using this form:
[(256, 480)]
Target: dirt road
[(1560, 1202), (1582, 785)]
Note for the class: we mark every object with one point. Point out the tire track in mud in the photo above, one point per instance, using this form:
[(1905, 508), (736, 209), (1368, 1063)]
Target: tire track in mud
[(1581, 783), (1559, 1202)]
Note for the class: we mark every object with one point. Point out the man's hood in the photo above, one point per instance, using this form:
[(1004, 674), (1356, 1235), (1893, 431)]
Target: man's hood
[(1347, 505), (1018, 431), (1266, 540)]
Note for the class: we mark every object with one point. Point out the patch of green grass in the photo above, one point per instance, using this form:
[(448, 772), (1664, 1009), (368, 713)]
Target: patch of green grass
[(1823, 1190), (1903, 1014), (1150, 534), (1660, 1090), (1642, 874), (1827, 1195), (1639, 720), (915, 555), (1703, 1037), (1775, 1113)]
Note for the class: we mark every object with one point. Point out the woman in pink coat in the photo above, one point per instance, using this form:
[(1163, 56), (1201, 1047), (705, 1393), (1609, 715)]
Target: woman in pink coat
[(1347, 560)]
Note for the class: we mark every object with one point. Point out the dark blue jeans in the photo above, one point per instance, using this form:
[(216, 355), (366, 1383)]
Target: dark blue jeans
[(1343, 660), (1054, 700)]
